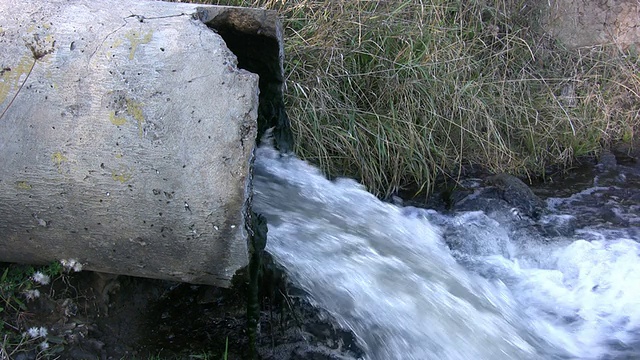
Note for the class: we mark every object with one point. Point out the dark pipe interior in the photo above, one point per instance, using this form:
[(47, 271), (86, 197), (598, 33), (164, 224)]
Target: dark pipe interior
[(259, 54)]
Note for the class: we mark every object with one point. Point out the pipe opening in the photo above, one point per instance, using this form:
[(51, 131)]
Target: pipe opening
[(254, 36)]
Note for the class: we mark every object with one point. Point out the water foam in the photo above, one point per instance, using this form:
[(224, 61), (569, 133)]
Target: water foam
[(386, 274)]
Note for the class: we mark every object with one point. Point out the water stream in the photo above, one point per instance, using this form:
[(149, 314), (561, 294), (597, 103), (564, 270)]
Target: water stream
[(512, 290)]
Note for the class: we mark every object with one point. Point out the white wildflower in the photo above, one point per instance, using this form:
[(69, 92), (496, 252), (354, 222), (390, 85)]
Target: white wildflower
[(41, 278), (71, 264), (32, 294), (44, 345), (77, 267), (42, 332), (33, 332)]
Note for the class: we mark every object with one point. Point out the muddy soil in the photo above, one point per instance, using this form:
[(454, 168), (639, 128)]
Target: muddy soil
[(91, 315)]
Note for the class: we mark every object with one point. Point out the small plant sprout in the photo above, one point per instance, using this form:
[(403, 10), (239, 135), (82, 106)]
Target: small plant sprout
[(71, 265), (41, 278)]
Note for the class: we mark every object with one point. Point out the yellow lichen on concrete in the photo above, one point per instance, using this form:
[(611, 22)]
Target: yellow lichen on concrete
[(134, 109), (136, 38), (11, 79), (49, 40), (10, 76), (58, 160), (23, 185), (123, 175), (114, 44), (116, 120)]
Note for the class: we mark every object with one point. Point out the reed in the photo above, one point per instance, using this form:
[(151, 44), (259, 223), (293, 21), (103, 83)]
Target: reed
[(395, 93)]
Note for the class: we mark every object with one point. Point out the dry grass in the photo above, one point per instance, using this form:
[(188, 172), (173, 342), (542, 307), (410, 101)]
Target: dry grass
[(394, 93)]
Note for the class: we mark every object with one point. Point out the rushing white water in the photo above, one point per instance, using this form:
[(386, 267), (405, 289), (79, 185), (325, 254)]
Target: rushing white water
[(387, 274)]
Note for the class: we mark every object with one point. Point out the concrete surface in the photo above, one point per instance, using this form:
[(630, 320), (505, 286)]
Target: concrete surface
[(126, 139)]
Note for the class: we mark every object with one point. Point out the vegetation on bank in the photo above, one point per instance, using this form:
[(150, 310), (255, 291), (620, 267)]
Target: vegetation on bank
[(396, 92), (19, 285), (41, 306)]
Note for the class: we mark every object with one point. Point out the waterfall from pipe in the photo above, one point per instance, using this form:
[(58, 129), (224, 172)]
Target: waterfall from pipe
[(386, 273)]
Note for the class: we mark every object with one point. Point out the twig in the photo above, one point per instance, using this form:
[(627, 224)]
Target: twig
[(19, 89)]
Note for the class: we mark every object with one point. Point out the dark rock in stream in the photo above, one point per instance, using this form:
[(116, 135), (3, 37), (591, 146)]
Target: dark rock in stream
[(557, 225), (503, 193), (515, 192), (510, 209), (470, 234), (607, 161)]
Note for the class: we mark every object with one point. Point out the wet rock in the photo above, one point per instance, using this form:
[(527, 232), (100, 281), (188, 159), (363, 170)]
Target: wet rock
[(488, 200), (515, 192), (627, 153), (475, 233), (557, 225), (313, 338), (607, 161), (612, 215)]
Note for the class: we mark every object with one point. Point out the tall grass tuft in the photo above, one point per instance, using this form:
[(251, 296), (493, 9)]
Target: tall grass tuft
[(394, 93)]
